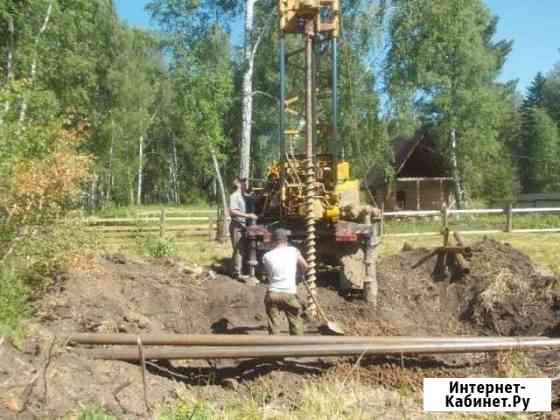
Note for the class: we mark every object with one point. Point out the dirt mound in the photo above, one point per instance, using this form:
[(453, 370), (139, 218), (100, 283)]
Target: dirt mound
[(507, 295), (504, 294), (126, 295)]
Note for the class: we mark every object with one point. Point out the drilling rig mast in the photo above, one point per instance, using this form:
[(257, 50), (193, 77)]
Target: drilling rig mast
[(309, 190)]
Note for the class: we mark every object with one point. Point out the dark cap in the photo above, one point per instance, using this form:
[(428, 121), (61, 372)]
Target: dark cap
[(281, 235)]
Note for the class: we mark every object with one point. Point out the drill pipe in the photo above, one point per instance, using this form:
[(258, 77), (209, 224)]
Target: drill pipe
[(266, 340), (461, 242), (310, 245), (132, 354)]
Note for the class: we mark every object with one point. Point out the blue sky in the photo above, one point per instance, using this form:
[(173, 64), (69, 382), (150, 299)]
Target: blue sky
[(533, 25)]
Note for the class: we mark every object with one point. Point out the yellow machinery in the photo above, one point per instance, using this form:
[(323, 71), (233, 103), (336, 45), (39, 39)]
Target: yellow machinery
[(310, 190)]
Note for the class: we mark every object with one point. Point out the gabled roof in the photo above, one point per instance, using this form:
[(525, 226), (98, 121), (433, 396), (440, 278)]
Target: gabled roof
[(417, 156), (403, 149)]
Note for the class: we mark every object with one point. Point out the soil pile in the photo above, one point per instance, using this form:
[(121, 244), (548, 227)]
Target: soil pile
[(504, 294), (507, 295)]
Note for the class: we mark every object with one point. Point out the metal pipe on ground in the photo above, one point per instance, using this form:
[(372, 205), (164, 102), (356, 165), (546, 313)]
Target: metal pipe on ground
[(131, 354), (266, 340), (461, 242)]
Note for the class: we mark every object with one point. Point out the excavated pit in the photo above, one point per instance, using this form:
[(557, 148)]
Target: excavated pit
[(505, 294)]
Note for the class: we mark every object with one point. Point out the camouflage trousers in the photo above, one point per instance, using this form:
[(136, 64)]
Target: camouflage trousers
[(276, 303)]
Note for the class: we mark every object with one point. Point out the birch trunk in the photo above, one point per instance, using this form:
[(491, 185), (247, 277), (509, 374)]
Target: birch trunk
[(23, 109), (140, 170), (247, 94), (9, 68), (92, 192), (170, 191), (175, 172), (130, 188), (222, 192), (458, 188), (111, 152)]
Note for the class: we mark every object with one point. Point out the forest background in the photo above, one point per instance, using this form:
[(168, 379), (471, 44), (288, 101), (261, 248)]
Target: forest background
[(149, 108)]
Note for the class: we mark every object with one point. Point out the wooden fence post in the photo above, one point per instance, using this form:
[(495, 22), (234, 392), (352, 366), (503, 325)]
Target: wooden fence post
[(210, 236), (509, 218), (162, 223), (219, 226), (382, 222), (445, 217)]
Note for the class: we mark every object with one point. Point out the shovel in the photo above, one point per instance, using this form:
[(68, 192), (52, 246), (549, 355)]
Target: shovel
[(331, 327)]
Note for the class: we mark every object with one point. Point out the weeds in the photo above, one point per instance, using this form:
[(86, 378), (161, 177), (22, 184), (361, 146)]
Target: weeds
[(157, 247), (13, 296), (185, 411), (94, 413), (516, 364), (505, 288)]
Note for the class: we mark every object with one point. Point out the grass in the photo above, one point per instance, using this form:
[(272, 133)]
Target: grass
[(93, 413), (318, 399), (13, 296)]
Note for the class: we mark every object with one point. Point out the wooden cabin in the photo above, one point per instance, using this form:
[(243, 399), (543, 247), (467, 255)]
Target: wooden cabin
[(422, 180)]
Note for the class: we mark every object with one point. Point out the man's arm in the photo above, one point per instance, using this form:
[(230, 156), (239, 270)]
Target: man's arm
[(301, 263), (238, 213), (234, 210)]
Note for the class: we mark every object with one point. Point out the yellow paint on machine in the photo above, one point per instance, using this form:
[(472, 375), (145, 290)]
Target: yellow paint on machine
[(342, 172), (348, 193)]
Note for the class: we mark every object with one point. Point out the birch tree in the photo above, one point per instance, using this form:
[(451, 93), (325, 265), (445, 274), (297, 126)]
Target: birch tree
[(33, 72), (250, 48), (444, 58)]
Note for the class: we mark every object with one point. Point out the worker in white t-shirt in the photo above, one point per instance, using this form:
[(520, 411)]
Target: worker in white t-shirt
[(281, 265)]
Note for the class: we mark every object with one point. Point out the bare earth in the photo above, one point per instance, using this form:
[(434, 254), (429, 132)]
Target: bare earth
[(504, 295)]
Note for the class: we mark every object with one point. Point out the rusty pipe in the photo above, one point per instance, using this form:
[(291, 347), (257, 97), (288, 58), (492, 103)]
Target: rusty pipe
[(162, 339), (426, 258), (131, 354), (461, 242)]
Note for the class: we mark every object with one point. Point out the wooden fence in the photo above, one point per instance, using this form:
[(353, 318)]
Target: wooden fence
[(508, 222), (181, 223), (539, 200), (189, 224)]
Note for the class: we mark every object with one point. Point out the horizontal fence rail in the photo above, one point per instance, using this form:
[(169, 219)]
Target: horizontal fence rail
[(208, 223), (446, 215), (181, 223)]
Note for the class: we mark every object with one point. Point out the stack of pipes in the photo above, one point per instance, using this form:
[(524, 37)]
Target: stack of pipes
[(185, 347)]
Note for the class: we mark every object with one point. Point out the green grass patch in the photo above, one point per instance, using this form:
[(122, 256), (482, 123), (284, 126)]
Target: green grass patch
[(185, 411), (93, 413), (13, 305), (157, 247)]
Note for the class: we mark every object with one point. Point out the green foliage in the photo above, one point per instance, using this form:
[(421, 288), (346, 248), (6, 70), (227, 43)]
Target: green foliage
[(545, 150), (13, 306), (443, 62), (158, 247), (184, 411), (551, 94), (94, 413)]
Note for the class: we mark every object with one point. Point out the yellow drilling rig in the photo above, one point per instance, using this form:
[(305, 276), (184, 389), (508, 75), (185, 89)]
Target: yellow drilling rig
[(310, 191)]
